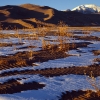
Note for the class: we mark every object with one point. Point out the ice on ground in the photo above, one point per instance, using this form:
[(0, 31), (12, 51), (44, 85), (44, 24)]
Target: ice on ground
[(54, 87)]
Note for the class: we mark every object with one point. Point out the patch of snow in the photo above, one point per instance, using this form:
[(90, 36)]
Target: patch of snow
[(95, 45), (19, 48), (7, 78), (54, 87), (18, 31), (97, 34), (16, 69), (77, 59)]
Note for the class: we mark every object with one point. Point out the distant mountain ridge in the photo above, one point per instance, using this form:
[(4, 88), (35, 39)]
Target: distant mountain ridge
[(88, 8), (30, 15)]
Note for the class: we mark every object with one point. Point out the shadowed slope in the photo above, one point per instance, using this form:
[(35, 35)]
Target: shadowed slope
[(14, 15), (28, 15)]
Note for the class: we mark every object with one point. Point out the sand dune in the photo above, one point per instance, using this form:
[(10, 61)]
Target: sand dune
[(28, 15)]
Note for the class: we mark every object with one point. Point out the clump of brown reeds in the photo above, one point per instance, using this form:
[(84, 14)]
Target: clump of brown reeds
[(92, 81)]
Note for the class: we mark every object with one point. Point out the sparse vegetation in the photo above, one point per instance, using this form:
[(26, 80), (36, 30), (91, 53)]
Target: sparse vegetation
[(50, 49)]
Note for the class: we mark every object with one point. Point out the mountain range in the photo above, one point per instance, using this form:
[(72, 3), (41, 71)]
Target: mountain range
[(30, 15), (88, 8)]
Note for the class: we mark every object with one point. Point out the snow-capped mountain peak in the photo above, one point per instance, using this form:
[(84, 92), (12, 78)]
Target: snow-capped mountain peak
[(88, 8)]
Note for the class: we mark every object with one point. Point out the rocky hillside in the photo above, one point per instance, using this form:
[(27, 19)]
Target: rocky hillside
[(30, 15)]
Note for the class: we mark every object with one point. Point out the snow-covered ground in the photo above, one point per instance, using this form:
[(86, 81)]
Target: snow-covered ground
[(31, 42), (53, 89), (54, 85), (84, 55), (80, 57), (16, 69), (18, 31), (77, 59)]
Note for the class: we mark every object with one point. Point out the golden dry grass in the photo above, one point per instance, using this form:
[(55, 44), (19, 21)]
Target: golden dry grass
[(81, 95)]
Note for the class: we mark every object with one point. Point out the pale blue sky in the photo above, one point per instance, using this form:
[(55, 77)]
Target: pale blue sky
[(58, 4)]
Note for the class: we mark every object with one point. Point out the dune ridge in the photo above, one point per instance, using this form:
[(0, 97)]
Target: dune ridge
[(28, 15)]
